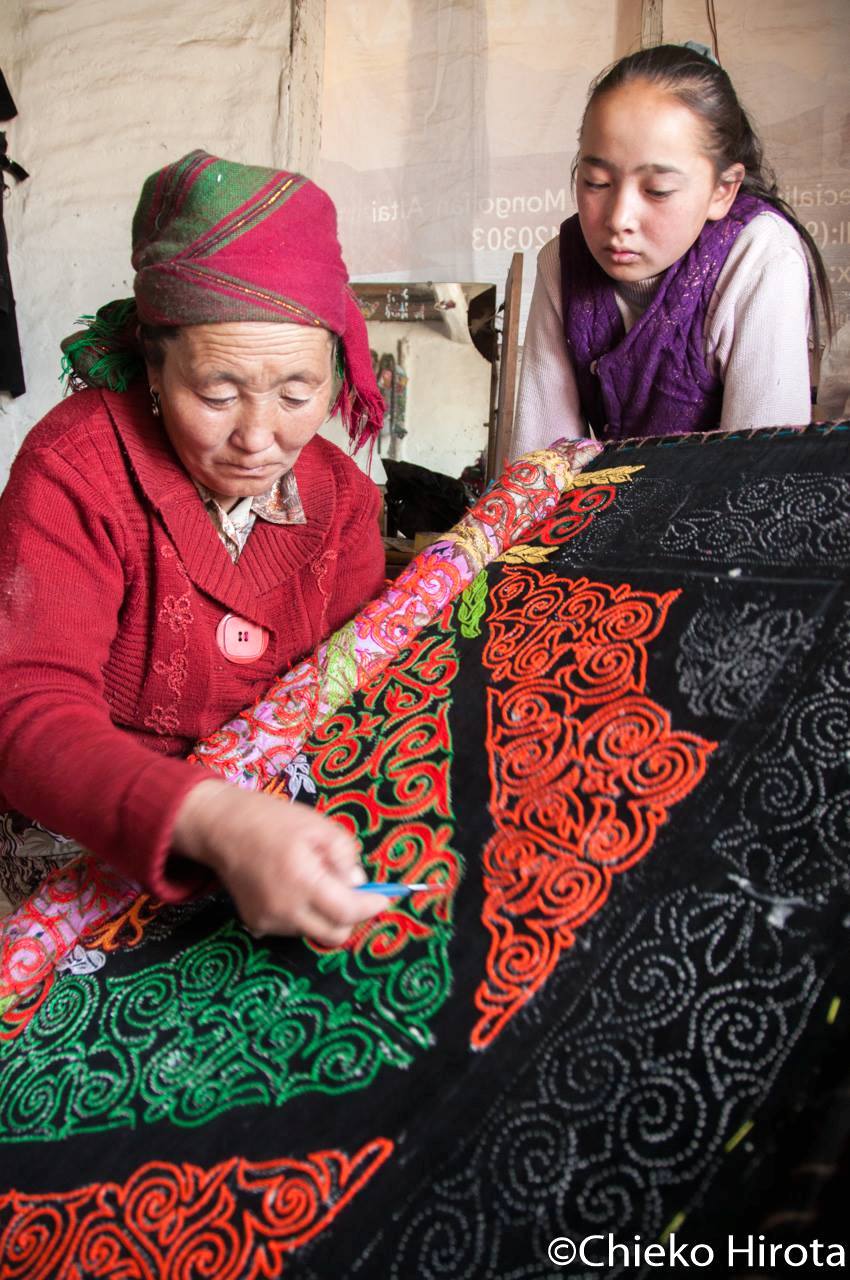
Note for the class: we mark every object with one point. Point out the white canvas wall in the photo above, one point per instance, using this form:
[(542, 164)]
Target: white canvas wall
[(448, 127), (107, 92)]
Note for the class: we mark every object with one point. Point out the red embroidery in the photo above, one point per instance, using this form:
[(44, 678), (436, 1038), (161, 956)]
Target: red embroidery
[(235, 1221), (175, 612), (168, 553), (44, 928), (321, 567), (584, 768), (163, 720), (175, 671), (389, 764), (575, 512)]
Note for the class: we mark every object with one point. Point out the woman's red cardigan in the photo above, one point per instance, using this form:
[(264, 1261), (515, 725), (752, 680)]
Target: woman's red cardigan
[(112, 584)]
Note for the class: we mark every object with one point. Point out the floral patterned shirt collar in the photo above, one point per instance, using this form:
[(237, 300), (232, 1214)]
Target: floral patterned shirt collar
[(280, 505)]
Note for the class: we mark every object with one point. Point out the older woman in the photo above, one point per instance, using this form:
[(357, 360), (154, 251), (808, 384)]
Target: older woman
[(171, 542)]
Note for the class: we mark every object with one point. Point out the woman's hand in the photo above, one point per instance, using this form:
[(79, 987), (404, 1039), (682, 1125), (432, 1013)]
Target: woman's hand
[(288, 869)]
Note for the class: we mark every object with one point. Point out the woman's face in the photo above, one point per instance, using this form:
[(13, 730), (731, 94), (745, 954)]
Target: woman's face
[(644, 185), (240, 401)]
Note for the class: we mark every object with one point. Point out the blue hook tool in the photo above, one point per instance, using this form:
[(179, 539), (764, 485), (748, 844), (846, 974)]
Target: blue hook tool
[(393, 890)]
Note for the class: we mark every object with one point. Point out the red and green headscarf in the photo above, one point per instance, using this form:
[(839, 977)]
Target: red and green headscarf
[(214, 242)]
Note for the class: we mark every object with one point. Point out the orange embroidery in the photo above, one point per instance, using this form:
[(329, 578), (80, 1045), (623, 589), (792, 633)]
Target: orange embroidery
[(126, 929), (584, 768), (237, 1220)]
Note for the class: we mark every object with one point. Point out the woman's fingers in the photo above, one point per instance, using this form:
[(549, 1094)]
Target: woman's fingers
[(321, 922), (289, 869), (339, 903), (341, 852), (328, 913)]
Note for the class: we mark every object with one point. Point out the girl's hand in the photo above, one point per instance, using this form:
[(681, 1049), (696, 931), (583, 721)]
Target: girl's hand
[(288, 869)]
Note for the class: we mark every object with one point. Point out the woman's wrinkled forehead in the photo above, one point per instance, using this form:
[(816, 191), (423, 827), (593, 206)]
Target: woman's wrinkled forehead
[(240, 351)]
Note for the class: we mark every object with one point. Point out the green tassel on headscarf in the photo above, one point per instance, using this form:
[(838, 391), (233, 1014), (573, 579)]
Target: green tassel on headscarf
[(106, 353)]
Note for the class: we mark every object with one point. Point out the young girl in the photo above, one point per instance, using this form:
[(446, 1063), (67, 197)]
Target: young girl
[(679, 298)]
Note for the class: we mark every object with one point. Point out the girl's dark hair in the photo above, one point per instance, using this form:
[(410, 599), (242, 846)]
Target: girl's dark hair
[(704, 87)]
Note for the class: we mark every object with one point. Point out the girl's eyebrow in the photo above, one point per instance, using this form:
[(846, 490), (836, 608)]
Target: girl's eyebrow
[(599, 163), (658, 168)]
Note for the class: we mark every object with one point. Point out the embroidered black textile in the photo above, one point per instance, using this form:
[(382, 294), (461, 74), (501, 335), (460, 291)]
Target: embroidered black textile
[(622, 759)]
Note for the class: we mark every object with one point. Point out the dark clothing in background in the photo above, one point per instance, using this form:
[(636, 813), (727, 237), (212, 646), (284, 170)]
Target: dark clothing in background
[(11, 368), (8, 110)]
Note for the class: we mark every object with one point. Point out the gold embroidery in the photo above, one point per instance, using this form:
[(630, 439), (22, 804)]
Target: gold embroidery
[(611, 475)]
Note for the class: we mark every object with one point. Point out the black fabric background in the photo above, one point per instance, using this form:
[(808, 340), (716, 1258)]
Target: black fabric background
[(490, 1163)]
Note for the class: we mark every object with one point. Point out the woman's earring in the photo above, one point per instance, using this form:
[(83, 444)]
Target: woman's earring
[(155, 408)]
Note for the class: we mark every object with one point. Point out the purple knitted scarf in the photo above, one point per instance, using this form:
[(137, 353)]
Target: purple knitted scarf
[(653, 380)]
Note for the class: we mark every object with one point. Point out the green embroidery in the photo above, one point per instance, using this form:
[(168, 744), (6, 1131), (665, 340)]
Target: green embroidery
[(473, 602), (340, 674), (382, 766), (223, 1024), (407, 987), (220, 1026)]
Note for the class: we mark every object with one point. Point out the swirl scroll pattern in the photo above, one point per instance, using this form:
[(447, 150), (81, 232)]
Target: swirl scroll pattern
[(575, 513), (382, 768), (223, 1024), (791, 520), (238, 1220), (648, 1069), (253, 748), (82, 894), (729, 656), (798, 790), (611, 1124), (584, 768)]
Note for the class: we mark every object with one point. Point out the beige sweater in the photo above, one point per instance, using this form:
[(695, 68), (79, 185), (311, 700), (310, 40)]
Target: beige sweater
[(755, 339)]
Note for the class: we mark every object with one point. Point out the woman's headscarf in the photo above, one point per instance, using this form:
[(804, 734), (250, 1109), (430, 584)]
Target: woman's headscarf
[(215, 241)]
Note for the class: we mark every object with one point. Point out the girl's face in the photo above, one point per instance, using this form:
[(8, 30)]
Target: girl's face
[(644, 185)]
